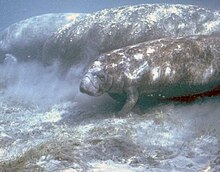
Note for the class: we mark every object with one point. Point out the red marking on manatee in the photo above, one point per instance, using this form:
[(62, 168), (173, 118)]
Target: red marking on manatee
[(193, 97)]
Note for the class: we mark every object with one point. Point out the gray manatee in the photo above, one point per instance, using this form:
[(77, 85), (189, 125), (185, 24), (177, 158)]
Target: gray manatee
[(25, 39), (159, 69), (114, 28)]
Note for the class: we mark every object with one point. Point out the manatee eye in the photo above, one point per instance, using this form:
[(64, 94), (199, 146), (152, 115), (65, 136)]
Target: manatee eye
[(101, 76)]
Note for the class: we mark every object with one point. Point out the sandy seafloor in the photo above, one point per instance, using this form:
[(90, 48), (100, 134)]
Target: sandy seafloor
[(47, 125)]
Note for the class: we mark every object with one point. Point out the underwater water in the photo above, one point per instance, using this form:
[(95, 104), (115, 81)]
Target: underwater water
[(46, 124)]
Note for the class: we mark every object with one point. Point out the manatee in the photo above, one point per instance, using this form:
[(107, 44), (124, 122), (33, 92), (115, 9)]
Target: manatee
[(115, 28), (159, 69), (25, 39)]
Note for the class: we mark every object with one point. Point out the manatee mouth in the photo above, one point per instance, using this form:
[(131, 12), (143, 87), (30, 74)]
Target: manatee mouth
[(90, 85)]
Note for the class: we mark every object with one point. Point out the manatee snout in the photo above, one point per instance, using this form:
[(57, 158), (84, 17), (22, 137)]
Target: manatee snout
[(90, 85)]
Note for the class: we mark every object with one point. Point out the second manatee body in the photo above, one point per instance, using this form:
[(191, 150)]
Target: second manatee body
[(25, 39), (114, 28), (160, 69)]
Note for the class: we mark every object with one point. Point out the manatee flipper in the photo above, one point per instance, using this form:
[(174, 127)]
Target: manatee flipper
[(132, 98)]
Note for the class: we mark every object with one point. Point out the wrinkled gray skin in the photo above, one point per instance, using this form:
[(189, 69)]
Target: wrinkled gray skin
[(25, 39), (118, 27), (162, 69)]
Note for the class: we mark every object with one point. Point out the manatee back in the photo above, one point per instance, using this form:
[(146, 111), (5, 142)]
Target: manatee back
[(25, 39), (118, 27)]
